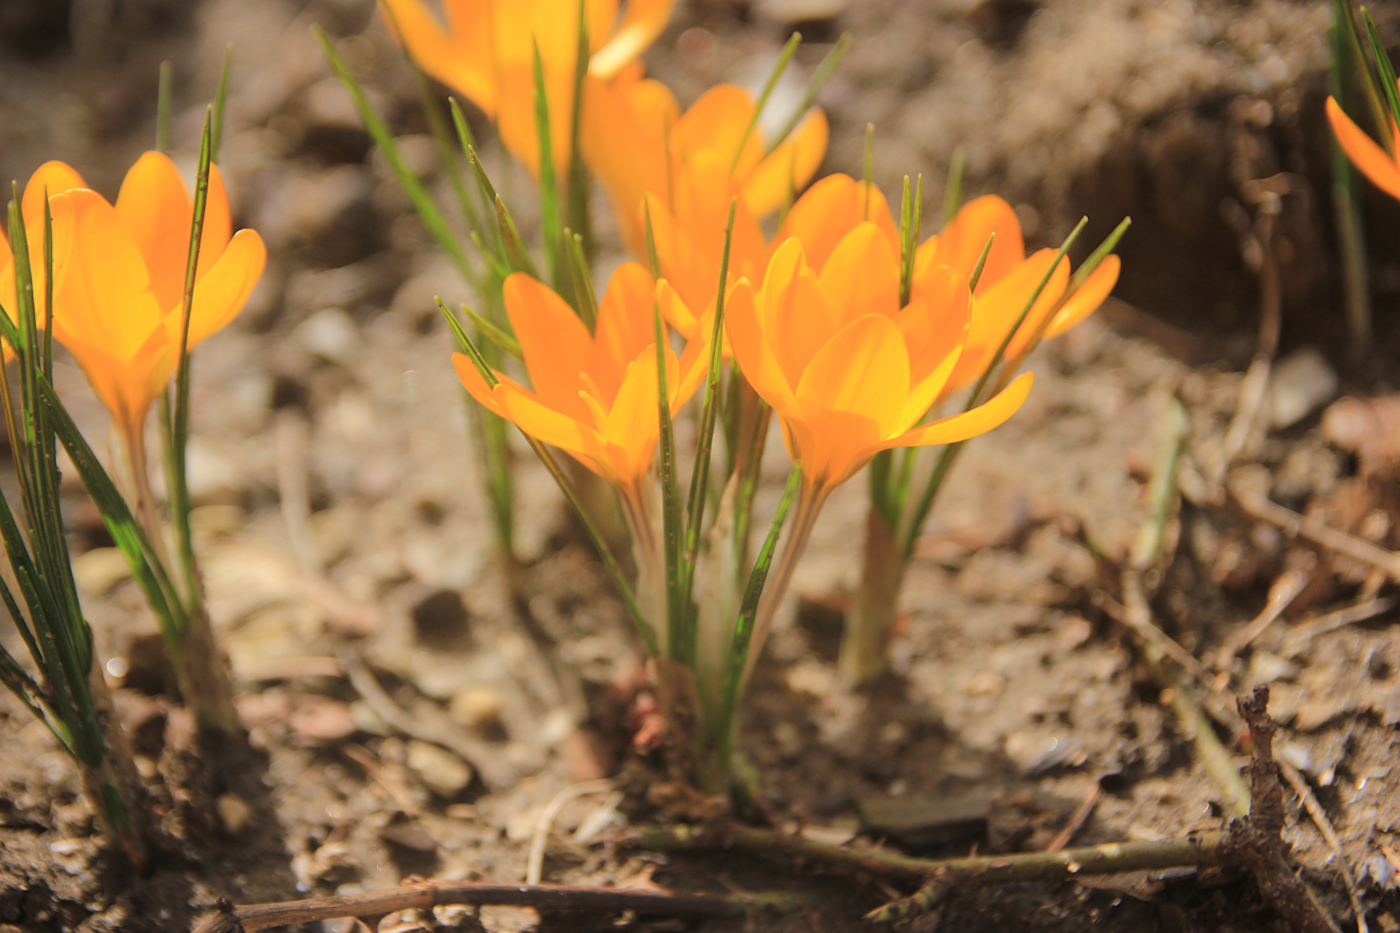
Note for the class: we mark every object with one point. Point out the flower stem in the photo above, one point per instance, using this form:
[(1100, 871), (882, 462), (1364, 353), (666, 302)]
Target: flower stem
[(871, 619), (809, 506)]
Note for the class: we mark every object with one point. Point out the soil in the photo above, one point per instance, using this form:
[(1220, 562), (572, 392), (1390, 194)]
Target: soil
[(344, 535)]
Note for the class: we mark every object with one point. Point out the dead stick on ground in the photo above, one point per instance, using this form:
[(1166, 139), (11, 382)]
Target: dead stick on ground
[(1257, 840), (374, 905), (1077, 821), (1157, 646), (1298, 638), (1301, 526), (1281, 595), (1194, 851)]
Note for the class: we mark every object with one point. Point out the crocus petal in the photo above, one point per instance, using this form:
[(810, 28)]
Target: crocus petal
[(465, 62), (862, 275), (756, 358), (787, 169), (1049, 298), (1087, 298), (675, 311), (850, 397), (626, 325), (716, 123), (797, 319), (862, 370), (475, 385), (996, 311), (554, 342), (1369, 158), (633, 418), (830, 209), (104, 297), (157, 210), (990, 414), (623, 141), (54, 177), (515, 115), (224, 290), (960, 244), (642, 22)]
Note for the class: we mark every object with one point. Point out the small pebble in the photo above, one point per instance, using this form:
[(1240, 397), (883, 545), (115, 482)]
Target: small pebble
[(441, 772), (234, 813)]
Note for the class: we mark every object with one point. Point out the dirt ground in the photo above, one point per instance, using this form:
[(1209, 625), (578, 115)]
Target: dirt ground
[(406, 718)]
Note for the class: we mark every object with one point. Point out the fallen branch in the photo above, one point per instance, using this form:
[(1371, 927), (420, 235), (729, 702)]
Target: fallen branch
[(1295, 525), (1200, 850), (372, 906), (1257, 840)]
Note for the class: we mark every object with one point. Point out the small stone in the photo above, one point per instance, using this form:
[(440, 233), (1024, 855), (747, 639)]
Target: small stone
[(441, 619), (214, 473), (1265, 668), (330, 334), (441, 772), (98, 570), (345, 287), (477, 707), (410, 836), (1301, 383), (802, 11), (321, 720), (984, 684), (234, 813)]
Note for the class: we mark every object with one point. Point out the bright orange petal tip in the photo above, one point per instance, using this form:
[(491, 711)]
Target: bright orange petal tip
[(1368, 157), (594, 395), (686, 169), (484, 50), (118, 301)]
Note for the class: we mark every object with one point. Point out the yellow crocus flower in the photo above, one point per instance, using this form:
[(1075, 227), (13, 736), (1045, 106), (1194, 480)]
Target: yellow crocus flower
[(485, 51), (51, 177), (118, 305), (688, 167), (847, 371), (594, 395)]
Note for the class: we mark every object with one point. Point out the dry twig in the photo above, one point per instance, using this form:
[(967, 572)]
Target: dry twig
[(372, 906)]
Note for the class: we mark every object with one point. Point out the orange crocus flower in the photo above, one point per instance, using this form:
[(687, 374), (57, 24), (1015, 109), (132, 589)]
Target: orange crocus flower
[(1008, 280), (595, 395), (118, 306), (1383, 168), (51, 177), (486, 49), (689, 167), (848, 372)]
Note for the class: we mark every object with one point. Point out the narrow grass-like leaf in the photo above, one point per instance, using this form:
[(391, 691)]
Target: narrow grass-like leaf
[(379, 131), (976, 276), (653, 260), (585, 298), (1386, 72), (464, 343), (813, 88), (1347, 66), (700, 474), (952, 190), (220, 104), (915, 519), (748, 609), (177, 480), (496, 335), (550, 223), (911, 218), (163, 93), (578, 172), (1353, 63), (1100, 253), (680, 635), (517, 254), (443, 142), (780, 66)]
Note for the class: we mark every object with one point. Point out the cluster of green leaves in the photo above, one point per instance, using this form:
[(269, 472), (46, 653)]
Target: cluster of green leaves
[(51, 622)]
